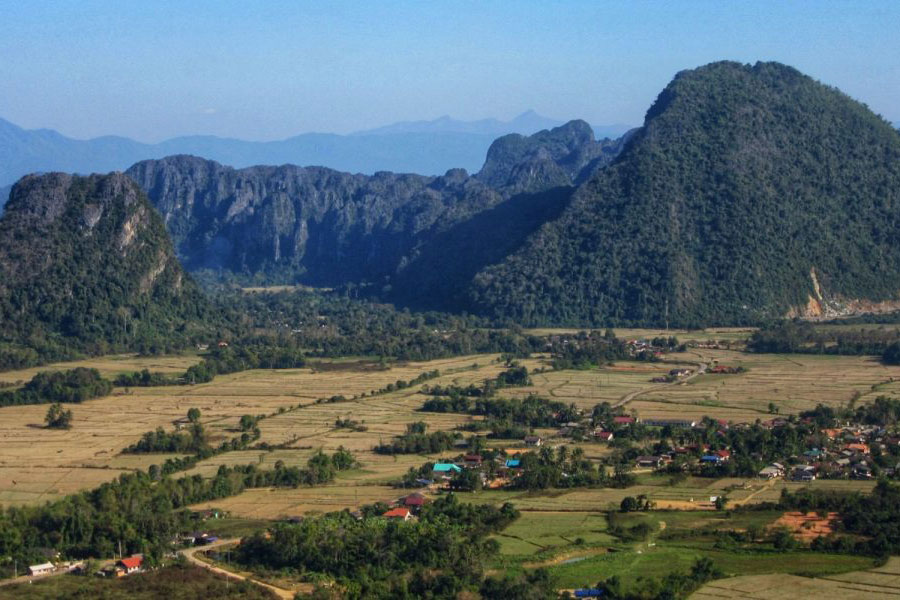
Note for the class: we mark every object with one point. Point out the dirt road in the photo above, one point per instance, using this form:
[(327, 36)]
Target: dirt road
[(190, 555), (701, 369)]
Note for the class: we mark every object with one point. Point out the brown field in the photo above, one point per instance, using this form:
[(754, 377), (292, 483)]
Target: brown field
[(794, 383), (806, 526), (48, 463), (110, 366), (880, 582), (269, 503), (45, 464)]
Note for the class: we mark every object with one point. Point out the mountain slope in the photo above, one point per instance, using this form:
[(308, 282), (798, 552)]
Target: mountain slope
[(86, 261), (324, 227), (750, 192), (4, 196)]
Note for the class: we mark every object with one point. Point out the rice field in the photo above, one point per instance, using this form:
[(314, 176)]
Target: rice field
[(878, 582), (793, 383), (46, 464)]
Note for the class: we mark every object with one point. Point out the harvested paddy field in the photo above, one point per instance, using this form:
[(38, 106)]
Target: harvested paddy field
[(110, 366), (589, 387), (878, 582), (793, 383), (89, 452)]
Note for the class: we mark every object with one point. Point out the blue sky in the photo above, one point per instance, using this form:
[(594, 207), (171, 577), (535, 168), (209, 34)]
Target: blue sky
[(268, 70)]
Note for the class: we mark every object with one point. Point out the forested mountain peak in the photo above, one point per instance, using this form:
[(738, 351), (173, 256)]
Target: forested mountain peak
[(743, 181), (324, 227), (88, 258), (558, 156)]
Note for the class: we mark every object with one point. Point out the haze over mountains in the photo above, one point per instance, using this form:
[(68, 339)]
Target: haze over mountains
[(425, 147), (750, 192)]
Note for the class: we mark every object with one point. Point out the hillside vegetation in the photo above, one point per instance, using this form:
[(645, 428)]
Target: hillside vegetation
[(751, 191), (85, 263)]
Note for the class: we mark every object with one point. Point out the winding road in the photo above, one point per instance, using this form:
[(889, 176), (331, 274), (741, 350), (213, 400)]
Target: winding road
[(190, 555)]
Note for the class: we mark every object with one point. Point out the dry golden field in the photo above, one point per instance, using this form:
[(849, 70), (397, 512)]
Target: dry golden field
[(37, 464), (794, 383), (879, 582), (110, 366)]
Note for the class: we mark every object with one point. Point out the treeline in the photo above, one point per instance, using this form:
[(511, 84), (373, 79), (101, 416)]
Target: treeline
[(417, 441), (441, 555), (75, 385), (589, 349), (531, 411), (546, 469), (800, 337), (883, 411), (141, 512), (673, 586), (221, 361)]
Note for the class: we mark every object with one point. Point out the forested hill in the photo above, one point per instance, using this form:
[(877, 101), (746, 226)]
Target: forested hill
[(324, 227), (750, 191), (87, 261), (4, 196)]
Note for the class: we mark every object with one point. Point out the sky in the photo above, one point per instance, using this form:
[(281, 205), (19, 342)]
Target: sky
[(263, 70)]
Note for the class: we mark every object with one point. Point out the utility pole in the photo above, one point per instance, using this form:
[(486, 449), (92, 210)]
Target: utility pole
[(667, 315)]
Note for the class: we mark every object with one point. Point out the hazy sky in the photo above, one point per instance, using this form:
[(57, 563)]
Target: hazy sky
[(268, 70)]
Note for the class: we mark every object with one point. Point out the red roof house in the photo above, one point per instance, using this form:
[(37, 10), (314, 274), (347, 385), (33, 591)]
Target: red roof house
[(414, 500), (398, 513), (130, 565)]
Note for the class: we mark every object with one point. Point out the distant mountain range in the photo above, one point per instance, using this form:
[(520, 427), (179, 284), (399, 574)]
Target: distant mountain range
[(424, 147), (525, 124)]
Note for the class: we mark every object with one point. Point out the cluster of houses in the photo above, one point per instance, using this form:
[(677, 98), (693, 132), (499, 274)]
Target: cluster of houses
[(846, 453), (407, 507)]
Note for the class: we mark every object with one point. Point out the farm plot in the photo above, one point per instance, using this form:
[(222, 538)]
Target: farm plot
[(590, 387), (269, 503), (793, 383), (877, 582), (542, 531), (103, 427), (110, 366)]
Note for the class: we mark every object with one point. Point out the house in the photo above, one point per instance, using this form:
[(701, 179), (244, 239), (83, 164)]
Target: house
[(41, 569), (723, 454), (861, 471), (588, 593), (223, 344), (472, 460), (446, 468), (195, 538), (804, 473), (181, 423), (771, 472), (711, 459), (533, 440), (414, 501), (670, 423), (129, 565), (861, 448), (649, 461), (604, 436), (404, 514), (624, 420)]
